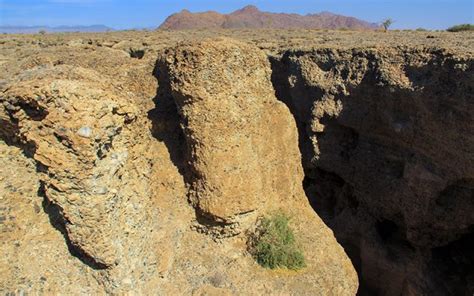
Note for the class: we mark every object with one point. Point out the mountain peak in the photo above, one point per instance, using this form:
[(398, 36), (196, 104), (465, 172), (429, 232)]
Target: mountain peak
[(250, 8)]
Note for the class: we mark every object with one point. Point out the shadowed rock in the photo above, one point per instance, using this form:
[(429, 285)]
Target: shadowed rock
[(242, 150)]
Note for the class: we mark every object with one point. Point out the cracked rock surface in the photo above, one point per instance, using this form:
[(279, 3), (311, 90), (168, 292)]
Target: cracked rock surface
[(137, 162), (159, 196)]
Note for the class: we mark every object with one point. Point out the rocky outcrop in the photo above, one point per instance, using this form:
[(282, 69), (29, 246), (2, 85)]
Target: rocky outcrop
[(109, 180), (34, 255), (241, 150), (114, 177), (251, 17), (386, 138), (95, 167), (72, 148), (241, 141)]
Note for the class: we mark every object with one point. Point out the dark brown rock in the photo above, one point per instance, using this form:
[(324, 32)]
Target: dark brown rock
[(387, 137)]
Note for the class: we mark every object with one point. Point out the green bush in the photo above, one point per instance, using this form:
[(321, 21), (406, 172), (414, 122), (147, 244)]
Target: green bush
[(386, 23), (273, 244), (462, 27)]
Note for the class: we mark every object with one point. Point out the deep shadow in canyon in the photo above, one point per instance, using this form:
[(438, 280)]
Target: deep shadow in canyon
[(386, 148), (165, 120)]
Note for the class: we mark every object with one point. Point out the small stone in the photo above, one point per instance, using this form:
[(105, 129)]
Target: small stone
[(101, 190), (127, 281), (85, 132)]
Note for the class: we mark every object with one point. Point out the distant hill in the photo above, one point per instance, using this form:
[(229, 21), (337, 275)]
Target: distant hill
[(251, 17), (36, 29)]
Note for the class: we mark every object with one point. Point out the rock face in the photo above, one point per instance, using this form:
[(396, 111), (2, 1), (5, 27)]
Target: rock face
[(72, 147), (387, 141), (34, 253), (241, 149), (94, 168), (239, 161), (251, 17), (114, 175), (112, 183)]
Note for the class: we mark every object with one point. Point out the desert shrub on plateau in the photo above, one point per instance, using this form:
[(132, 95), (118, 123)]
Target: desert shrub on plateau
[(273, 244), (460, 28), (386, 23)]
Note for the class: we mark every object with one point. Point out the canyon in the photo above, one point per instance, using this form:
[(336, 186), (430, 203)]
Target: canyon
[(139, 162)]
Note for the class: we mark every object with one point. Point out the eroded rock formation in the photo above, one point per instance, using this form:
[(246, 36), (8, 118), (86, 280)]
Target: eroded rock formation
[(114, 174), (241, 149), (95, 166), (239, 161), (386, 136), (109, 181)]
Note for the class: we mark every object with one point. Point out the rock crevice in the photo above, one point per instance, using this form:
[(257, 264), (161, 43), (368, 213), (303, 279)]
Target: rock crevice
[(113, 184), (383, 134)]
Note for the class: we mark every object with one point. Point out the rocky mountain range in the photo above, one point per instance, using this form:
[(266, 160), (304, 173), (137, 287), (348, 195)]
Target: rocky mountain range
[(251, 17)]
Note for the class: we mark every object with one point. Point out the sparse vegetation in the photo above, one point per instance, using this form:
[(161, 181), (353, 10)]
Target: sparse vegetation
[(460, 28), (42, 32), (273, 244), (386, 23), (136, 53)]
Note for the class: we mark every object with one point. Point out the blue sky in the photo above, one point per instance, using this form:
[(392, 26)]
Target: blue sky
[(120, 14)]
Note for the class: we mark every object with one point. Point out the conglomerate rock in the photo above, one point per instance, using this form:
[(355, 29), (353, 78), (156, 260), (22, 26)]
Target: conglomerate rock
[(95, 168), (242, 149), (386, 136), (242, 142), (108, 177), (384, 122), (34, 255)]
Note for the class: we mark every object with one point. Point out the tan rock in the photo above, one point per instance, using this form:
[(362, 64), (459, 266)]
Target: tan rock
[(343, 88), (209, 290), (243, 152), (238, 160), (95, 167), (35, 258)]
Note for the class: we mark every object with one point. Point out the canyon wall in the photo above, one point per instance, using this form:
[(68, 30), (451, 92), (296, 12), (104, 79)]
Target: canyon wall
[(386, 137), (139, 162), (158, 195)]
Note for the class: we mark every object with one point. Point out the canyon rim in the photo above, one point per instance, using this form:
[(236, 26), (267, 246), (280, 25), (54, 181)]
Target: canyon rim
[(140, 162)]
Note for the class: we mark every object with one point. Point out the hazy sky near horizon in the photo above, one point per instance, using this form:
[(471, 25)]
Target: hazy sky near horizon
[(122, 14)]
